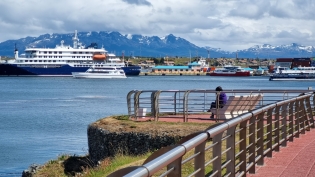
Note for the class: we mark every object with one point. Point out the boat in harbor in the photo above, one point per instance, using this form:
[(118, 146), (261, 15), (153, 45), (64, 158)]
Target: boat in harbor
[(295, 70), (62, 60), (297, 73), (230, 70), (288, 77), (101, 72)]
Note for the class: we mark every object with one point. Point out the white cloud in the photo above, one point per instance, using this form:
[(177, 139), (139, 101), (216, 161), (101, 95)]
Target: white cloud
[(229, 25)]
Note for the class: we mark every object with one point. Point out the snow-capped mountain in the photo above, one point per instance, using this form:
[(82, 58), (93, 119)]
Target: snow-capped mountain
[(282, 51), (153, 46)]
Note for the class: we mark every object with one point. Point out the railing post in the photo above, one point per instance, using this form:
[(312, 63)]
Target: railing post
[(242, 145), (129, 103), (304, 121), (252, 144), (153, 103), (291, 121), (177, 165), (260, 138), (185, 106), (217, 97), (136, 103), (269, 130), (297, 119), (230, 155), (309, 112), (283, 134), (156, 105), (302, 116), (217, 149), (175, 102), (200, 159), (277, 128)]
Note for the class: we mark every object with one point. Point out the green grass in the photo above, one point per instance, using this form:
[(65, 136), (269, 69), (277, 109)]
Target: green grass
[(55, 168)]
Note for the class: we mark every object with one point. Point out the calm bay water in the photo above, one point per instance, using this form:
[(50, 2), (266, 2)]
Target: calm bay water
[(42, 118)]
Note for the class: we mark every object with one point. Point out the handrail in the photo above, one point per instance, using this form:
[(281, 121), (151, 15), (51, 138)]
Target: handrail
[(239, 144), (186, 102)]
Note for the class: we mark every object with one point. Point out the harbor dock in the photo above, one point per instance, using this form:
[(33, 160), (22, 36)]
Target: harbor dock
[(174, 74)]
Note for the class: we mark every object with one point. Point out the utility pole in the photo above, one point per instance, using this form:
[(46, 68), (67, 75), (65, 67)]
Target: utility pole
[(189, 56), (208, 53)]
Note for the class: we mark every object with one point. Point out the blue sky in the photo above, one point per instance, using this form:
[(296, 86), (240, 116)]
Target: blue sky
[(227, 24)]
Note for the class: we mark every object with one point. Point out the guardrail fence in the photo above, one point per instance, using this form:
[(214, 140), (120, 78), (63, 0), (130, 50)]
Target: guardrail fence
[(182, 103), (233, 147)]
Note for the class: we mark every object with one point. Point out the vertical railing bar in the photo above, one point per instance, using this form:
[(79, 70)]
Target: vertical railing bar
[(230, 155), (269, 129), (200, 160), (242, 146), (284, 116), (260, 137), (217, 149), (297, 120), (277, 128)]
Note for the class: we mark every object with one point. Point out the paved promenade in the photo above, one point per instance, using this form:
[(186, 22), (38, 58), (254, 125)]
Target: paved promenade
[(297, 159)]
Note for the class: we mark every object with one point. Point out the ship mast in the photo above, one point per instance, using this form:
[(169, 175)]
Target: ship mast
[(75, 40), (16, 52)]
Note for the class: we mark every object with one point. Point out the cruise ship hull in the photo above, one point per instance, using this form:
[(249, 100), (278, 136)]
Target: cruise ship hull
[(60, 70), (132, 70)]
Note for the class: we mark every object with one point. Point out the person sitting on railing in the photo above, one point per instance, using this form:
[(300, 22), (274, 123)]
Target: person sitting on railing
[(222, 99)]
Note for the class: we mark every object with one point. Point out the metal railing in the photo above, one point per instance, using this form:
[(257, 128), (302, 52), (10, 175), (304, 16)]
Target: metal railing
[(233, 147), (182, 103)]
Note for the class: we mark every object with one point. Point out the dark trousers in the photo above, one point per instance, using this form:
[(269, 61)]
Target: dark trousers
[(213, 105)]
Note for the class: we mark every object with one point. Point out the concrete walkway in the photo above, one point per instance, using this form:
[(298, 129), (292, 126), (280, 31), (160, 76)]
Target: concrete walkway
[(198, 118)]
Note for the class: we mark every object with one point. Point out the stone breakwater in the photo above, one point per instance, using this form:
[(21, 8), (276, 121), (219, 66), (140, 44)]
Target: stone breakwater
[(108, 137)]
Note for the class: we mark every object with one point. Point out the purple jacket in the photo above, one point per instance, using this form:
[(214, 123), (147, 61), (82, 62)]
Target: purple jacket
[(222, 99)]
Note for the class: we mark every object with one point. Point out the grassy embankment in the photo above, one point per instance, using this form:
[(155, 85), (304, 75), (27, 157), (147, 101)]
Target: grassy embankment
[(57, 167)]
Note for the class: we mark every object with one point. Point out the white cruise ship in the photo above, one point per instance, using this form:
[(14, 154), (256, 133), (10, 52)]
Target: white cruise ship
[(62, 60)]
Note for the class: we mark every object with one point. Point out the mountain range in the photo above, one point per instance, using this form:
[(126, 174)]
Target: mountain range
[(153, 46)]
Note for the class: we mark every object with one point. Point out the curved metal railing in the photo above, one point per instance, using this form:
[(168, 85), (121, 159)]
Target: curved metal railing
[(182, 103), (233, 147)]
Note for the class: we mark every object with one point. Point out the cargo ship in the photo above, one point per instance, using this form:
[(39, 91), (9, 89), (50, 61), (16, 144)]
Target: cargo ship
[(63, 60)]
